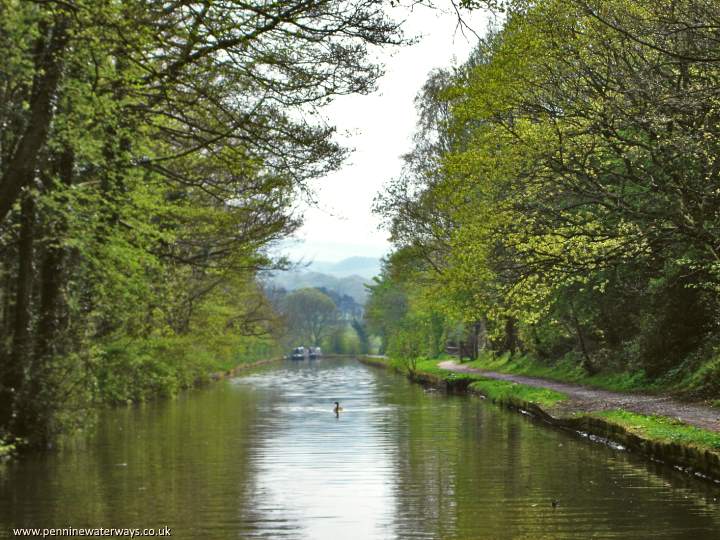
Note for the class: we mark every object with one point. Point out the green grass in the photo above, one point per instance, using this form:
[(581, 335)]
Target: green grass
[(660, 428), (506, 391), (565, 370), (493, 389), (701, 381)]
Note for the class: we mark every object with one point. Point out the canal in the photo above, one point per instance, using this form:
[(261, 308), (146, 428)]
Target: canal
[(264, 456)]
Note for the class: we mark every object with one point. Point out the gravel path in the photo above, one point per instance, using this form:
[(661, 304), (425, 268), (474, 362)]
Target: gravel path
[(583, 398)]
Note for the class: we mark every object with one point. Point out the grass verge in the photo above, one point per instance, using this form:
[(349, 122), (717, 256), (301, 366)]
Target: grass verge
[(501, 391), (506, 391), (565, 370), (662, 429)]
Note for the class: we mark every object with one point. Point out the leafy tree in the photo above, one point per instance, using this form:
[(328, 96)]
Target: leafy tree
[(362, 335), (310, 315)]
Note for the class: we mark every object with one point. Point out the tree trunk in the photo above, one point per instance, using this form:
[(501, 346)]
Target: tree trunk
[(586, 364), (482, 335), (23, 163), (7, 290), (511, 338), (478, 338), (52, 272), (12, 374)]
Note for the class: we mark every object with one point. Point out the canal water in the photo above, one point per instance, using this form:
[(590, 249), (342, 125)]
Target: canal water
[(264, 456)]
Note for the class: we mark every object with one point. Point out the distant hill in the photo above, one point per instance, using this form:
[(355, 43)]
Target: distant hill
[(353, 286), (348, 276), (366, 267)]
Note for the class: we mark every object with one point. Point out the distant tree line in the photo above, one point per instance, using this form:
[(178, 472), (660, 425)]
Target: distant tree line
[(562, 198)]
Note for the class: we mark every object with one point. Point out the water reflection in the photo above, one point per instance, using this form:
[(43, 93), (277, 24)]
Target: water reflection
[(317, 473), (264, 456)]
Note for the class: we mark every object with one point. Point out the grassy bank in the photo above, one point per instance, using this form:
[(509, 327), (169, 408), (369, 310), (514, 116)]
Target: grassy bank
[(566, 370), (131, 370), (662, 429), (500, 391), (505, 391)]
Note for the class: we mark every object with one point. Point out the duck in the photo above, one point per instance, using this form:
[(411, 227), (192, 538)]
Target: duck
[(337, 407)]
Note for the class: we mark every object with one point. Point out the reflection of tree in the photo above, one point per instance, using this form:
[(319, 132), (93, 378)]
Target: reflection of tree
[(425, 446)]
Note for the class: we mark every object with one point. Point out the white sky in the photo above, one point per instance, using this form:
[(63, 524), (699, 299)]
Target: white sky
[(379, 127)]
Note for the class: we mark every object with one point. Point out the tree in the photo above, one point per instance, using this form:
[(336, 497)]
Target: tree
[(310, 315), (362, 335)]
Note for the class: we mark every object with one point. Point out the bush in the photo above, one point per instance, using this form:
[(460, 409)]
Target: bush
[(138, 370)]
